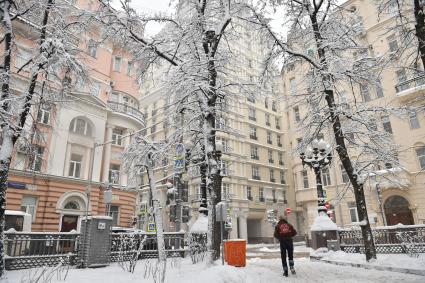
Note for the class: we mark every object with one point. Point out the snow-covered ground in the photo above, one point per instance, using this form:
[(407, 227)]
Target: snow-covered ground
[(256, 271), (391, 260)]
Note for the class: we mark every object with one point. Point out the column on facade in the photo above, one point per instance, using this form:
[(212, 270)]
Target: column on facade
[(243, 232), (107, 153), (126, 142), (88, 161), (67, 159)]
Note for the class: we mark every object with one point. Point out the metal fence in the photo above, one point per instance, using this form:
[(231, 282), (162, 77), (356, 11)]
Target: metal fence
[(126, 245), (390, 239), (27, 250)]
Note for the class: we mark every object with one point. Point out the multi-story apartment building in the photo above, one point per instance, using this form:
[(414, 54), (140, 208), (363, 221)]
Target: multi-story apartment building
[(62, 173), (253, 161), (396, 202)]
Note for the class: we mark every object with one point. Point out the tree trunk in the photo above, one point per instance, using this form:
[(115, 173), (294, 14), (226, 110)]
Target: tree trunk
[(341, 148), (420, 28)]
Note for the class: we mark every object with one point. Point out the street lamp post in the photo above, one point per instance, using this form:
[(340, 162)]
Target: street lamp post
[(318, 156)]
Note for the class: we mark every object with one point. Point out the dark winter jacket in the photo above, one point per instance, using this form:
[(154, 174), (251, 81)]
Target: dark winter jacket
[(292, 231)]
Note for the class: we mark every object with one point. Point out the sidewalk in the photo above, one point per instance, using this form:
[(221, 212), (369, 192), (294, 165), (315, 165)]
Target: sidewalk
[(270, 251), (388, 262)]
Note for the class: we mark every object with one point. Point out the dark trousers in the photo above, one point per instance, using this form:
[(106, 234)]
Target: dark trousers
[(287, 246)]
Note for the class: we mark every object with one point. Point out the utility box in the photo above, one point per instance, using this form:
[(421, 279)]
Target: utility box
[(95, 241), (333, 245)]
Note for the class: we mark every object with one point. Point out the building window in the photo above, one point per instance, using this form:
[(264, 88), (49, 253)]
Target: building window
[(117, 137), (254, 153), (225, 189), (277, 121), (353, 211), (36, 158), (80, 126), (29, 205), (114, 174), (117, 64), (253, 133), (249, 193), (224, 168), (293, 86), (270, 153), (272, 179), (255, 172), (282, 177), (413, 120), (114, 212), (222, 144), (43, 115), (364, 91), (129, 68), (420, 153), (305, 179), (274, 106), (72, 205), (392, 43), (344, 174), (402, 77), (280, 157), (266, 103), (269, 138), (261, 194), (251, 114), (267, 119), (92, 48), (220, 123), (279, 143), (75, 166), (386, 124), (297, 114), (326, 177), (379, 90)]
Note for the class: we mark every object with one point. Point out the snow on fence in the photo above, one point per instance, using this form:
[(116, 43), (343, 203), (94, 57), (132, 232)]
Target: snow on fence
[(125, 245), (408, 239), (34, 249)]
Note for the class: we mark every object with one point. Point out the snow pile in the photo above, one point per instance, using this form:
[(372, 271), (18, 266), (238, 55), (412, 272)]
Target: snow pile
[(200, 225), (391, 260), (268, 250), (323, 223)]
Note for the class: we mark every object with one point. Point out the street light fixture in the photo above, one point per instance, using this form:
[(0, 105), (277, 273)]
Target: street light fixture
[(318, 156)]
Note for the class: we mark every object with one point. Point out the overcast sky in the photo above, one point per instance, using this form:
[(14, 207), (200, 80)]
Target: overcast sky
[(153, 6)]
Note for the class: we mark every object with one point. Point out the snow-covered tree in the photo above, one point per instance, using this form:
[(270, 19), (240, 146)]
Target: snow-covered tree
[(198, 83), (324, 46), (46, 73)]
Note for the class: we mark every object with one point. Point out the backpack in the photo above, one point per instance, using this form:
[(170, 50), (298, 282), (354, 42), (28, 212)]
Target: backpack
[(285, 230)]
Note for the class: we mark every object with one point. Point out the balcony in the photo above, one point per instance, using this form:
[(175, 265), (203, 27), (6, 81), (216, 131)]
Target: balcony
[(252, 118), (255, 157), (271, 160), (126, 109), (250, 198), (268, 124), (253, 137), (412, 88), (273, 180), (256, 177), (279, 144), (306, 195), (269, 142), (281, 162), (261, 199)]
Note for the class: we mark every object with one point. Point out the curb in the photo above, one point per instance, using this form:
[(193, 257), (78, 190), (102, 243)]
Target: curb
[(369, 266)]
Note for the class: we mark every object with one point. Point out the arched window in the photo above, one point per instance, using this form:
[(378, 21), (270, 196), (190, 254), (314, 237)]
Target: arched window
[(80, 126), (420, 153), (72, 205)]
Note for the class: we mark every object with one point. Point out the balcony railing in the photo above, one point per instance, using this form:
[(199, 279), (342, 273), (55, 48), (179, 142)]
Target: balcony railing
[(412, 83), (252, 118), (253, 137), (126, 109), (261, 199), (256, 157), (273, 180), (256, 177), (268, 124), (271, 160), (279, 144), (250, 198)]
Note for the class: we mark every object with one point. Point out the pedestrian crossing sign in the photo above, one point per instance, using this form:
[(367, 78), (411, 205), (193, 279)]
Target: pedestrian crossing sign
[(151, 227)]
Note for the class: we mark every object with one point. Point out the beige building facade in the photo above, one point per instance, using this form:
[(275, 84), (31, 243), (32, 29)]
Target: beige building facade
[(393, 195)]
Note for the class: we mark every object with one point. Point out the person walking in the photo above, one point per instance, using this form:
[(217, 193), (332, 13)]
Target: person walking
[(284, 233)]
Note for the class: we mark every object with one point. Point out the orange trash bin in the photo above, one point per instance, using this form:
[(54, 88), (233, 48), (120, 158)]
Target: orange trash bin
[(235, 252)]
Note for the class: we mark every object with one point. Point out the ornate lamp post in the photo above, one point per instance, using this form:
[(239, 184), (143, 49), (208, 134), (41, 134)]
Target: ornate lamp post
[(318, 156)]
